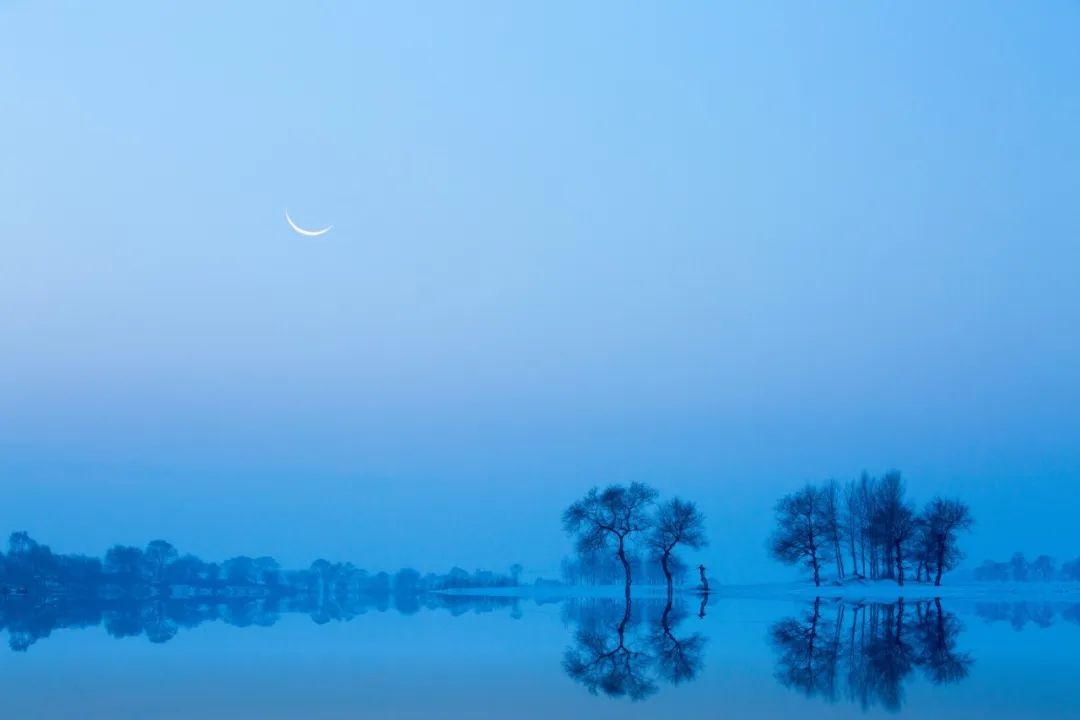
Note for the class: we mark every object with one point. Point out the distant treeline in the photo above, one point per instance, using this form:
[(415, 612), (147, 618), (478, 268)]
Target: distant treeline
[(1019, 569), (159, 569), (868, 528)]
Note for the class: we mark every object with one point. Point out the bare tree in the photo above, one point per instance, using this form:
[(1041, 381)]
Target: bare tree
[(797, 537), (889, 514), (905, 527), (831, 523), (677, 522), (607, 518), (945, 519), (852, 521), (867, 494)]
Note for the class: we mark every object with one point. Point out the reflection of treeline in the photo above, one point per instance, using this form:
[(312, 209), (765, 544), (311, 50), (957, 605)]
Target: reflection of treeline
[(865, 653), (1020, 569), (28, 619), (1019, 614)]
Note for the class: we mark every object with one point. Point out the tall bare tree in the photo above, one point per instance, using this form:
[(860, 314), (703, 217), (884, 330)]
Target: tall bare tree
[(798, 537), (677, 522), (832, 523), (608, 518), (945, 519)]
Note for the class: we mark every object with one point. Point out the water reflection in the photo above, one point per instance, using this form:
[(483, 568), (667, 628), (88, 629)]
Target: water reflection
[(29, 619), (865, 653), (1020, 614), (624, 649)]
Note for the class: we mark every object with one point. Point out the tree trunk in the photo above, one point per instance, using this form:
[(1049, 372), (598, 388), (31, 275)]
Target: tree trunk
[(940, 559), (667, 573), (626, 567), (899, 564)]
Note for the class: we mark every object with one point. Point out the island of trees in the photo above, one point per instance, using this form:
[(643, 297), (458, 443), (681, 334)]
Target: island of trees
[(867, 528)]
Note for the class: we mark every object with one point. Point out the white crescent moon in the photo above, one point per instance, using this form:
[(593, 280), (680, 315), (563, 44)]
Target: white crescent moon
[(302, 231)]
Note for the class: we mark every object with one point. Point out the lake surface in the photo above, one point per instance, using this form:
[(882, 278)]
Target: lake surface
[(502, 657)]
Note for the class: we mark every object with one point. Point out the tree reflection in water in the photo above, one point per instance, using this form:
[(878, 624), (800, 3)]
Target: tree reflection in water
[(624, 649), (864, 653)]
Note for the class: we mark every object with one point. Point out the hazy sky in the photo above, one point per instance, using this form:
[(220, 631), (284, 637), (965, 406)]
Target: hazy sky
[(721, 248)]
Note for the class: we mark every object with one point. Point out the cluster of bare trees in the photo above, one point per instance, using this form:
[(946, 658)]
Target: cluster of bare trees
[(867, 528), (621, 519)]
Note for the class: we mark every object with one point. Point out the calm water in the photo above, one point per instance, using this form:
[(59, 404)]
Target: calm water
[(496, 657)]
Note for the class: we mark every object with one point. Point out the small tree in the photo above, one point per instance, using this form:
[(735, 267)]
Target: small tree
[(608, 518), (676, 523), (945, 519), (798, 537)]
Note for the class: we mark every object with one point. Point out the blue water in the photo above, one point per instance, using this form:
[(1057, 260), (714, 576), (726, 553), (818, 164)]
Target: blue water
[(522, 659)]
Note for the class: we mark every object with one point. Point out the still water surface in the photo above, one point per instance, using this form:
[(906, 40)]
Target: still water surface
[(499, 657)]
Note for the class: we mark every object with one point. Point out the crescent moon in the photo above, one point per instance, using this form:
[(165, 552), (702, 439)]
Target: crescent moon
[(302, 231)]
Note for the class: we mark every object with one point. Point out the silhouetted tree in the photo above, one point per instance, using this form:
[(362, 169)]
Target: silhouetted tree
[(155, 559), (1071, 570), (608, 518), (903, 528), (832, 522), (944, 520), (891, 515), (676, 523), (798, 536), (853, 523)]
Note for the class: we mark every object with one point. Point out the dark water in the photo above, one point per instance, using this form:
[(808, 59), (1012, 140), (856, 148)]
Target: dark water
[(453, 657)]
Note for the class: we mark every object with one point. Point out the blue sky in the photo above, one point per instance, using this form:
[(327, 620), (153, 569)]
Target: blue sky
[(724, 249)]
